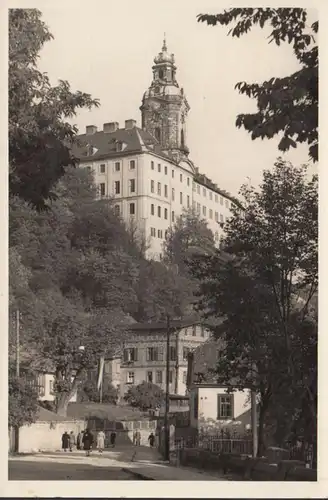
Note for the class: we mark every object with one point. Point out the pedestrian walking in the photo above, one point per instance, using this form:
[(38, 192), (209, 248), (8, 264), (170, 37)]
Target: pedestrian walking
[(138, 438), (101, 441), (151, 439), (134, 438), (79, 440), (87, 442), (72, 441), (113, 439), (65, 441)]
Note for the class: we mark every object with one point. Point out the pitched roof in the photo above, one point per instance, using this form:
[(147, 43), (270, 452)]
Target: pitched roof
[(162, 325), (49, 416), (136, 140)]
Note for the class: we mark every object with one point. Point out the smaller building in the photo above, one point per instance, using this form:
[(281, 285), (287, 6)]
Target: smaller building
[(214, 405), (46, 382)]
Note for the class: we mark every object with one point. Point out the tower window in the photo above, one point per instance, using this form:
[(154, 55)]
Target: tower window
[(161, 74), (132, 209), (158, 134), (182, 139)]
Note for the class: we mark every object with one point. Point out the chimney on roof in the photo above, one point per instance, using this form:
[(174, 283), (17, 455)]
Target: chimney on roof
[(130, 124), (110, 127), (90, 129)]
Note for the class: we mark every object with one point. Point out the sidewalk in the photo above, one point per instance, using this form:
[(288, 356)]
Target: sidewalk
[(170, 473)]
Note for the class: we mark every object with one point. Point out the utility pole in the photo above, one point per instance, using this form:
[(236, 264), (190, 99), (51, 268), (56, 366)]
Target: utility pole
[(17, 344), (176, 385), (254, 416), (167, 393)]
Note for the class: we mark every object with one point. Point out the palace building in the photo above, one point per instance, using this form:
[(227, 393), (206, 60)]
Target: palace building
[(147, 170)]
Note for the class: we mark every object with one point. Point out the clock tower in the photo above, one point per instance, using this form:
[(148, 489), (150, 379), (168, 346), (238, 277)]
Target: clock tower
[(165, 108)]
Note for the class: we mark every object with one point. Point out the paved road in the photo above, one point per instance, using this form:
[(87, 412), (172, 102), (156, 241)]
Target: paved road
[(20, 470)]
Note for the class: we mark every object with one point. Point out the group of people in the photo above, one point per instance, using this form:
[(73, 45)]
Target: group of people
[(85, 440)]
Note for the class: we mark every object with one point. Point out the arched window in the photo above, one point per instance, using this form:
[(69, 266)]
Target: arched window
[(182, 140), (158, 134), (161, 74)]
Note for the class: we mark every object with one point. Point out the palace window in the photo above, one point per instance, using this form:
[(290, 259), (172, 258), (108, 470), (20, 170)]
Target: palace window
[(117, 187), (102, 168), (132, 185), (159, 377), (117, 166), (130, 354), (132, 209), (130, 378), (152, 209), (102, 189), (132, 164), (152, 186)]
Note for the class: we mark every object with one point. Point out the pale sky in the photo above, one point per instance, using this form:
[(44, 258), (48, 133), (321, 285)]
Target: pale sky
[(106, 48)]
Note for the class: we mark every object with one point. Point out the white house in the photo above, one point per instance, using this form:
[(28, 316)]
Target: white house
[(46, 388), (147, 169)]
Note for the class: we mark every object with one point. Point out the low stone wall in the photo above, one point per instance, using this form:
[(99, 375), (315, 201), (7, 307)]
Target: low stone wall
[(251, 469), (46, 436)]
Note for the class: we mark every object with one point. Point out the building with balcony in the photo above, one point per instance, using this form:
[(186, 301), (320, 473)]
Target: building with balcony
[(147, 170)]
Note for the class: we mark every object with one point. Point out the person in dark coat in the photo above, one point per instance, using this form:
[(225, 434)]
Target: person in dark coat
[(87, 441), (151, 439), (113, 439), (65, 441)]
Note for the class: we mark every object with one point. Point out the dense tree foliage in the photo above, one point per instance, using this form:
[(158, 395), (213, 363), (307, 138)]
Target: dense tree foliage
[(286, 106), (145, 396), (263, 294), (22, 398), (77, 276), (89, 391), (190, 234), (39, 133)]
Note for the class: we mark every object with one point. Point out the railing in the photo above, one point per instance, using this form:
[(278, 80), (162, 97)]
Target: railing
[(216, 444)]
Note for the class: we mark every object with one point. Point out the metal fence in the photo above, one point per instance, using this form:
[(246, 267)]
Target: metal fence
[(216, 444)]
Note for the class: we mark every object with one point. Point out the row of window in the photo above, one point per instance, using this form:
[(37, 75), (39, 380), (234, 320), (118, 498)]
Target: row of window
[(197, 187), (132, 209), (117, 187), (117, 166), (159, 169), (130, 354), (156, 377), (160, 234)]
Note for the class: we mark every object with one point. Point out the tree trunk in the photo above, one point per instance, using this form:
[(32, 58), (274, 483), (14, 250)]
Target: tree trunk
[(261, 439), (62, 403)]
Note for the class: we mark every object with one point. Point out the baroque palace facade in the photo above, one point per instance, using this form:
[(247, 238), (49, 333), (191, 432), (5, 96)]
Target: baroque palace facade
[(147, 171)]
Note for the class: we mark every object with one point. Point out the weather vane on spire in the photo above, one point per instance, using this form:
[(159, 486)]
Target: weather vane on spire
[(164, 42)]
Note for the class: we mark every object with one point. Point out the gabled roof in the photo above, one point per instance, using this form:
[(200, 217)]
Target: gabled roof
[(183, 323), (134, 140)]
